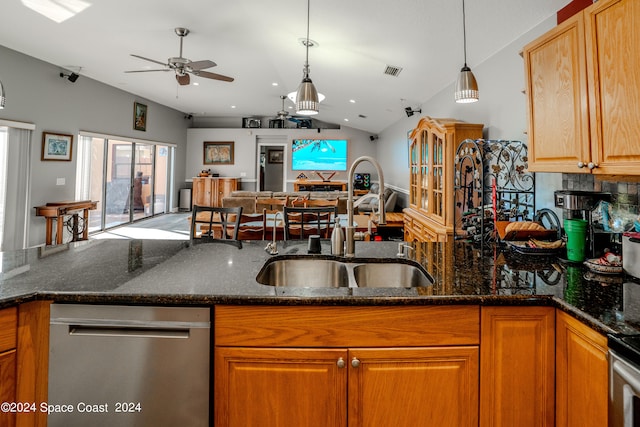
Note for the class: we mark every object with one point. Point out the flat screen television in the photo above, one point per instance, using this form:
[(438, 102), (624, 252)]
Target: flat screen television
[(319, 155)]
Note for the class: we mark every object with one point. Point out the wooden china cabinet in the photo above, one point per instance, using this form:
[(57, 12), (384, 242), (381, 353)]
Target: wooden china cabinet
[(583, 95), (208, 191), (429, 216)]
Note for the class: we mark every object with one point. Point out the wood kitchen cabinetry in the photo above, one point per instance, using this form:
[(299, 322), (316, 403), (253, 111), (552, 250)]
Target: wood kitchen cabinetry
[(582, 376), (429, 216), (209, 191), (339, 366), (8, 361), (584, 94), (517, 369)]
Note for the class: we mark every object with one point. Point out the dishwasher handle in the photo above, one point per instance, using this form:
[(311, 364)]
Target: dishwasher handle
[(128, 331)]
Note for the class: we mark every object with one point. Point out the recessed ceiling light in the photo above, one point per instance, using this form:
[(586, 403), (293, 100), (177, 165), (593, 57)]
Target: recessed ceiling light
[(346, 120), (196, 84), (353, 101), (274, 84), (233, 106)]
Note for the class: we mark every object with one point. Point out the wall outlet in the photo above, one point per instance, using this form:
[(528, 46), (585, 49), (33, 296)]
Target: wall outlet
[(243, 174), (60, 181)]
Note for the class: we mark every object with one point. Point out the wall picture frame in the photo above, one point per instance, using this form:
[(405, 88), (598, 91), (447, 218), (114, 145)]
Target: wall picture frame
[(275, 156), (56, 147), (217, 153), (139, 117)]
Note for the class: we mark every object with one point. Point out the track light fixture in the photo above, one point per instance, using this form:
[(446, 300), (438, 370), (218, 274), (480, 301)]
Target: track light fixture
[(71, 77), (466, 86), (410, 112), (307, 102)]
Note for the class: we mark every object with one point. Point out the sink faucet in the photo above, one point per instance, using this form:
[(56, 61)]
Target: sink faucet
[(351, 246), (272, 248)]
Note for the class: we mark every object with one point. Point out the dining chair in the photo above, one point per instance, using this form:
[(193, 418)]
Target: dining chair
[(252, 226), (315, 203), (271, 204), (303, 222), (212, 224)]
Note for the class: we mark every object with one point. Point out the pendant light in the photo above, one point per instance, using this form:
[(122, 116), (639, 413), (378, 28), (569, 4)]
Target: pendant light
[(466, 86), (2, 96), (307, 103)]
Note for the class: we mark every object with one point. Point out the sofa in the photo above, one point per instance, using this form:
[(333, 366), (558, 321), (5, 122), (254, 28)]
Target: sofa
[(247, 199)]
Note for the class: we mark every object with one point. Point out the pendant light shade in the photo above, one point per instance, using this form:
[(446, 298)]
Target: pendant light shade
[(466, 85), (2, 96), (307, 102)]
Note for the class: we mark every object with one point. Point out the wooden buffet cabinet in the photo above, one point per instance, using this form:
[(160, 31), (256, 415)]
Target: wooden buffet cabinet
[(429, 216), (583, 93), (209, 191)]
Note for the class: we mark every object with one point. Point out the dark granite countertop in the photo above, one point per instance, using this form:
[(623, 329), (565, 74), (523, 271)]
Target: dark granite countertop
[(169, 272)]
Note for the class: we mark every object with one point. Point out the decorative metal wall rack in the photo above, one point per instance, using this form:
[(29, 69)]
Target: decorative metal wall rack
[(491, 182)]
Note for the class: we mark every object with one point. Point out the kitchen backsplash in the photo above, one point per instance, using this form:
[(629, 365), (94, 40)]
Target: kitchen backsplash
[(624, 195)]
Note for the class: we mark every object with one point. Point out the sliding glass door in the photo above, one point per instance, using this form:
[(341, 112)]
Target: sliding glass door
[(129, 179)]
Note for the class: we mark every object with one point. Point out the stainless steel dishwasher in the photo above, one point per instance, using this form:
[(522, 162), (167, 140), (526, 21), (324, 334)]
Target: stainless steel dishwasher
[(128, 366)]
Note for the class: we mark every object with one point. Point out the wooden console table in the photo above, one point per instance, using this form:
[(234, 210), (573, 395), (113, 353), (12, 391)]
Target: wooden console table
[(57, 211), (309, 185)]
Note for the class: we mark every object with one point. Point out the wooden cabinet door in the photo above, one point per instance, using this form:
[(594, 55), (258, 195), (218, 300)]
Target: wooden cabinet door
[(201, 191), (613, 59), (435, 386), (8, 385), (556, 87), (280, 387), (582, 377), (517, 366), (224, 188)]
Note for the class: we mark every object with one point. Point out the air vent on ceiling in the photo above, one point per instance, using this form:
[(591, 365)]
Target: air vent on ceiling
[(392, 70)]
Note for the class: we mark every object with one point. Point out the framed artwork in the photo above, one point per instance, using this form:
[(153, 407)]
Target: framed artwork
[(56, 146), (139, 116), (217, 153), (275, 156)]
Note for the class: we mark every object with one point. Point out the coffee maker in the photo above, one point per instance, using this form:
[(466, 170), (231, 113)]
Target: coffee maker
[(579, 205)]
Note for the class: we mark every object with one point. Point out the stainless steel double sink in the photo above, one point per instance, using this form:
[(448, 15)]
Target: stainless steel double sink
[(314, 272)]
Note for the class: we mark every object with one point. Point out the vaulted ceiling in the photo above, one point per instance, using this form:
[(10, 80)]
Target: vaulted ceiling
[(258, 42)]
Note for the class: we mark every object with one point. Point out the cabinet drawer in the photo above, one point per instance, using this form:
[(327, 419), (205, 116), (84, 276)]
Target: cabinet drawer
[(8, 328), (362, 326)]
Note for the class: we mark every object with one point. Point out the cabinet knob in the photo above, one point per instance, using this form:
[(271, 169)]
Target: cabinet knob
[(580, 165), (355, 362), (592, 165), (340, 362)]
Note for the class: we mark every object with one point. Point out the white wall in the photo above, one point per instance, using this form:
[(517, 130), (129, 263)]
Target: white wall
[(245, 142), (37, 94), (501, 108)]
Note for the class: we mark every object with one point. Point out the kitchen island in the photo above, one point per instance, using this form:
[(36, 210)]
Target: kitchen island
[(488, 315)]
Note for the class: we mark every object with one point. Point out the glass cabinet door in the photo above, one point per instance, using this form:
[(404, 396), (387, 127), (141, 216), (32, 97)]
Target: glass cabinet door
[(414, 171), (424, 170)]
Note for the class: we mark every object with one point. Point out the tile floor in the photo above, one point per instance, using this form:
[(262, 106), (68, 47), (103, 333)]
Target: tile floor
[(171, 226)]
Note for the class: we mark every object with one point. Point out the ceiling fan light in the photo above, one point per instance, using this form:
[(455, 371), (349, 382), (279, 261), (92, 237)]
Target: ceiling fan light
[(2, 96), (466, 87), (307, 102)]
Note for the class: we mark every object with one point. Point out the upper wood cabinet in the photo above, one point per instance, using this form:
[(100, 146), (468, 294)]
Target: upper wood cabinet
[(431, 152), (209, 191), (584, 93)]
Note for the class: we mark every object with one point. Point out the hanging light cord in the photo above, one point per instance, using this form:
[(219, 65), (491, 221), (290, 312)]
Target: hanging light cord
[(306, 61), (464, 33)]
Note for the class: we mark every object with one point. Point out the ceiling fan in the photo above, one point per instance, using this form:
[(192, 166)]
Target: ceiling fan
[(281, 116), (183, 66)]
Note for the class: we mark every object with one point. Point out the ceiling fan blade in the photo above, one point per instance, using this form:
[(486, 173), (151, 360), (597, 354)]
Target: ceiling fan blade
[(201, 65), (214, 76), (145, 71), (150, 60), (183, 79)]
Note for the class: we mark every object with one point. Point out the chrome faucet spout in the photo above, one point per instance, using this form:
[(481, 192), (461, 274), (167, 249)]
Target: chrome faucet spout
[(272, 248), (350, 250)]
